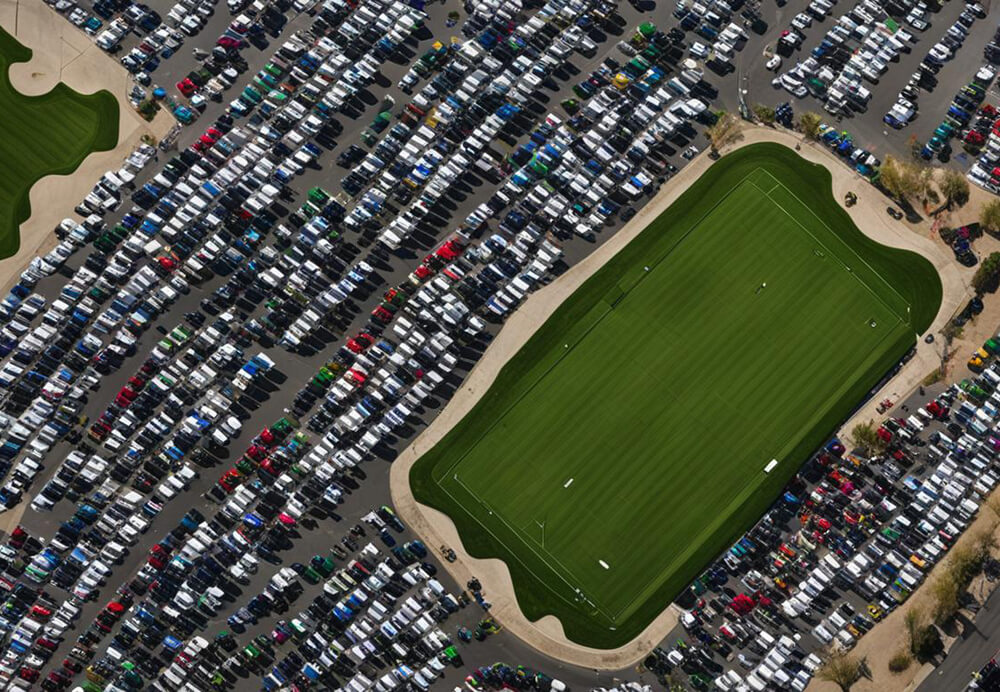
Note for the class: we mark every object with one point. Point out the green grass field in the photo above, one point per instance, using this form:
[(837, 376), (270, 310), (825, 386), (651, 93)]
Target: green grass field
[(43, 135), (624, 446)]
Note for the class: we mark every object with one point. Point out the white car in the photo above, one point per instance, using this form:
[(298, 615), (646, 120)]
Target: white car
[(699, 50), (802, 21), (939, 52), (774, 63)]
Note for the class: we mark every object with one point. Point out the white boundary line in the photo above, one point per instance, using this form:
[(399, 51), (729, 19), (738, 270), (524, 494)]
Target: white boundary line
[(527, 543), (548, 557), (861, 259), (452, 469)]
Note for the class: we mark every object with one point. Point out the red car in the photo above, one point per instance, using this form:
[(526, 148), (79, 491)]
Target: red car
[(186, 86), (40, 613), (99, 431), (380, 314), (269, 465), (136, 383), (116, 608), (29, 674), (360, 343), (420, 274), (230, 479), (448, 251), (256, 452)]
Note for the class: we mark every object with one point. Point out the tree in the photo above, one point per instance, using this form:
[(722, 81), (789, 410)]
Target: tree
[(947, 591), (915, 148), (928, 643), (989, 216), (763, 113), (987, 276), (809, 123), (724, 131), (903, 180), (675, 681), (954, 186), (865, 436), (913, 621), (843, 670)]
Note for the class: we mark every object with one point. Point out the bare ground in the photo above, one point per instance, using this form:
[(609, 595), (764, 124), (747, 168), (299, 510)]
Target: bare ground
[(61, 52)]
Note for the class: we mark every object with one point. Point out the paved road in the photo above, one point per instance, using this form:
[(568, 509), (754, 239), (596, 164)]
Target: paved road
[(978, 644)]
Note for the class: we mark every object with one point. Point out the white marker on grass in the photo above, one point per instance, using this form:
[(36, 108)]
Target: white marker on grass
[(568, 483), (604, 564)]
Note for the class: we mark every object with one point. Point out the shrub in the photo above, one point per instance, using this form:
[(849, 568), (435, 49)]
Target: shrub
[(928, 644), (987, 276), (899, 662)]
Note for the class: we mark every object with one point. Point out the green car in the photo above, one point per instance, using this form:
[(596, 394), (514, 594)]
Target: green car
[(992, 346), (311, 575), (318, 195), (944, 131), (381, 121), (252, 95), (251, 653), (323, 564)]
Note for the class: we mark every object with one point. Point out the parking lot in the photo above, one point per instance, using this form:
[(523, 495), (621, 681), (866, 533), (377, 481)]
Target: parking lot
[(253, 335)]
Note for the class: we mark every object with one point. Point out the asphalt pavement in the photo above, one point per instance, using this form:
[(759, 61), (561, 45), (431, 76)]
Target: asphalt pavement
[(979, 642), (298, 369)]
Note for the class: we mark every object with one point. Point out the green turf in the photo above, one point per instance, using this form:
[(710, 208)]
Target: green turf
[(663, 393), (43, 135)]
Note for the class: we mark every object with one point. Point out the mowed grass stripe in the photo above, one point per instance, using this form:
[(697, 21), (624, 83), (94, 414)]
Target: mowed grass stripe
[(662, 461), (49, 134), (667, 409)]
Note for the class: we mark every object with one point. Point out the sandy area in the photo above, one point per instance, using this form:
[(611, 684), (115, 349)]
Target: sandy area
[(547, 634), (61, 52)]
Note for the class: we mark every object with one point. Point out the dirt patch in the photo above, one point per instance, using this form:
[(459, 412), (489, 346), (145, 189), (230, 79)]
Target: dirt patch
[(61, 52)]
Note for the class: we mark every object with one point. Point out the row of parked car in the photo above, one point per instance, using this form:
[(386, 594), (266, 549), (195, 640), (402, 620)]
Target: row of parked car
[(448, 251), (124, 515), (213, 204), (866, 531)]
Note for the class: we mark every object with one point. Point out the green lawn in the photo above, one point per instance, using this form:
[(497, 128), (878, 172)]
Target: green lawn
[(44, 135), (624, 446)]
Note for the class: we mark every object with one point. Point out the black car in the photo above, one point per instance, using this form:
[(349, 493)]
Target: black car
[(350, 156)]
